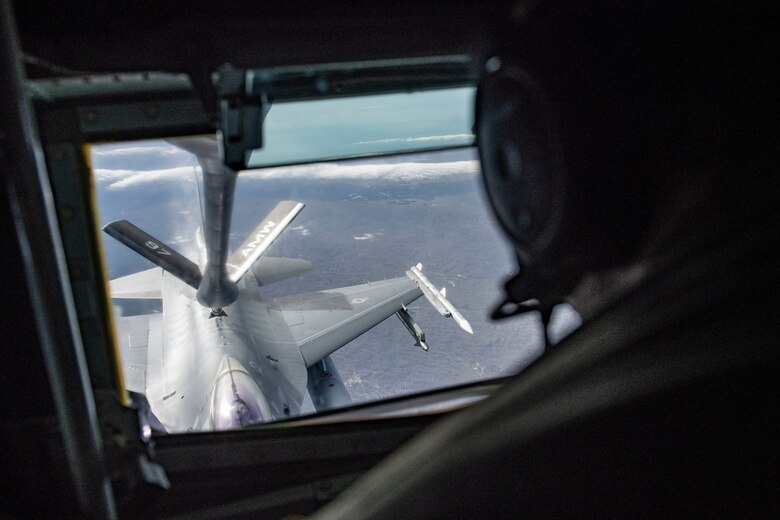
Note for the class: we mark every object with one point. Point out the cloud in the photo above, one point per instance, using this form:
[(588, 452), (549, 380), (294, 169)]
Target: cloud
[(121, 166), (179, 239), (428, 138), (101, 151), (366, 236), (404, 171), (407, 172), (302, 230), (154, 155), (119, 179)]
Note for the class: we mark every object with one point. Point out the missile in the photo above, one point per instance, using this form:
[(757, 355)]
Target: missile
[(412, 327), (437, 298)]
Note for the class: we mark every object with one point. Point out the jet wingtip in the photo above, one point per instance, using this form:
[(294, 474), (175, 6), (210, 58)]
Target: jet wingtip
[(113, 223)]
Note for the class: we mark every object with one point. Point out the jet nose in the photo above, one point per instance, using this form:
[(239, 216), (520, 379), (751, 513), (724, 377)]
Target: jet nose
[(237, 401)]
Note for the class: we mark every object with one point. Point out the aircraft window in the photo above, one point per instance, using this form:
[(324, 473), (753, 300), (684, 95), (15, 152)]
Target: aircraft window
[(342, 265), (237, 400), (339, 128)]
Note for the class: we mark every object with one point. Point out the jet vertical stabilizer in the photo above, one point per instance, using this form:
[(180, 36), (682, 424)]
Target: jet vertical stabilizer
[(268, 270)]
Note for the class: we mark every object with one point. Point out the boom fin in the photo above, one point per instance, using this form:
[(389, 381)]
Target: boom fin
[(262, 237), (155, 251)]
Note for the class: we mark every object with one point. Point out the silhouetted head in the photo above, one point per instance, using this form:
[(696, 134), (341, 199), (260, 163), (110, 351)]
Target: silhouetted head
[(610, 133)]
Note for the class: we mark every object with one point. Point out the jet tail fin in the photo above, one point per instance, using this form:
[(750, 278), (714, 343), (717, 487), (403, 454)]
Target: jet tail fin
[(262, 237), (155, 251)]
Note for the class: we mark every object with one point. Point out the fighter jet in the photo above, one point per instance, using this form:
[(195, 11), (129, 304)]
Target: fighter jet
[(220, 356)]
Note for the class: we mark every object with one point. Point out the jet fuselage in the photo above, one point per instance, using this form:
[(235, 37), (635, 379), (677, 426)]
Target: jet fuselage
[(197, 350)]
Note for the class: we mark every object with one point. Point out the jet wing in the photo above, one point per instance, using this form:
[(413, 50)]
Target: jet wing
[(134, 334), (142, 285), (321, 322)]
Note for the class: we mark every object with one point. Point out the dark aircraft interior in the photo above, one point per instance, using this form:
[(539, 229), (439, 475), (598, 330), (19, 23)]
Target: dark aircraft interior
[(628, 151)]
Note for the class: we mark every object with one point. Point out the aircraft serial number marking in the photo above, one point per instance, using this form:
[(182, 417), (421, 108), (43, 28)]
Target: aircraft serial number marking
[(156, 248)]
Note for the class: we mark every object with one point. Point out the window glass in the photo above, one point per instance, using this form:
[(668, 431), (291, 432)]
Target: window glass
[(305, 131), (365, 220)]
